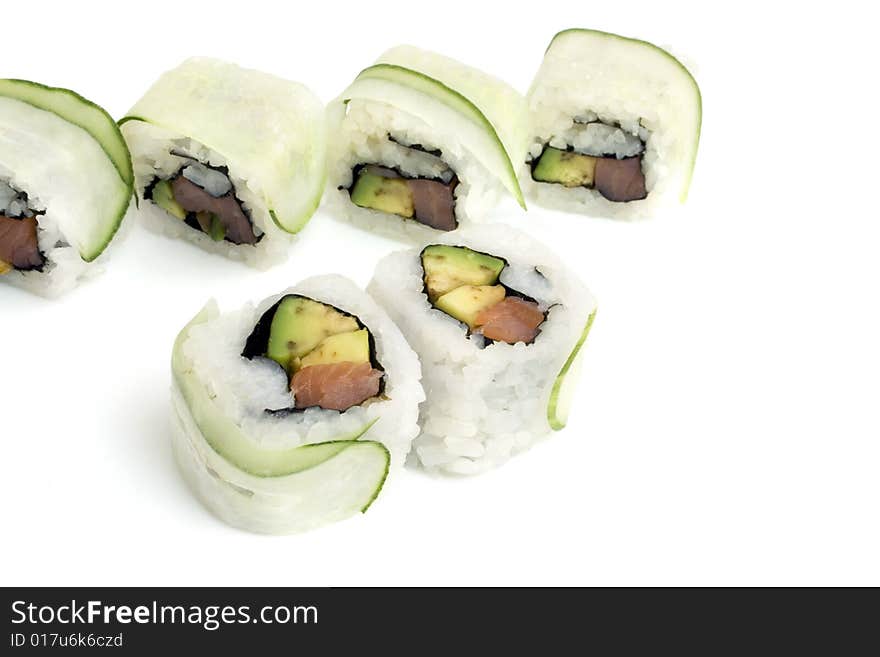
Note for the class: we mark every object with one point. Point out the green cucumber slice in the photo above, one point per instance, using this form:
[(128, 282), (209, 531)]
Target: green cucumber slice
[(504, 107), (330, 491), (613, 46), (227, 439), (79, 111), (408, 90), (566, 381), (83, 140)]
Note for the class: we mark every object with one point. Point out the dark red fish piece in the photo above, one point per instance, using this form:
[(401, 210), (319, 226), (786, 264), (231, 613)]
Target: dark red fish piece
[(434, 203), (19, 246), (620, 180), (193, 198)]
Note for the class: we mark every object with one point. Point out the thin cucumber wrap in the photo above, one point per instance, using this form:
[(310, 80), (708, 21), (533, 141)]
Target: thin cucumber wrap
[(259, 489), (486, 114), (590, 64), (562, 393), (271, 131), (67, 152)]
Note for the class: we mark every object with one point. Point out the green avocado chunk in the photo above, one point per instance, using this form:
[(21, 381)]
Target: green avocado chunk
[(300, 325), (565, 168), (164, 198), (466, 302), (351, 347), (385, 193), (218, 230), (449, 267)]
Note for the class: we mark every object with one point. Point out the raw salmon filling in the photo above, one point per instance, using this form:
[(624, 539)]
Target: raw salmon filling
[(511, 320), (328, 355), (468, 286), (335, 386)]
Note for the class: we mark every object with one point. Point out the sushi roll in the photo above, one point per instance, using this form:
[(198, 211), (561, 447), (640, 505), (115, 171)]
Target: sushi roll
[(498, 323), (289, 415), (65, 185), (230, 159), (421, 144), (615, 127)]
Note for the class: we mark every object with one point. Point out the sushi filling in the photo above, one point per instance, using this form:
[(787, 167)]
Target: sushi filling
[(595, 155), (428, 197), (19, 243), (466, 285), (328, 355), (203, 197)]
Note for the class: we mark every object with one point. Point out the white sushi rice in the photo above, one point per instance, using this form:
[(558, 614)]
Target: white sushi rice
[(598, 139), (246, 388), (152, 151), (362, 137), (484, 404), (638, 97)]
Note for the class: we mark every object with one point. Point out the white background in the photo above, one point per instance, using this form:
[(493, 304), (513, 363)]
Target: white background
[(725, 431)]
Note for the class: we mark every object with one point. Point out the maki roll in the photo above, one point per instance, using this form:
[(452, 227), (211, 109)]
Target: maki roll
[(615, 126), (498, 323), (65, 185), (228, 158), (287, 416), (422, 144)]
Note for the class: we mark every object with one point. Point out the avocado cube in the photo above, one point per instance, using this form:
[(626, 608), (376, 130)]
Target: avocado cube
[(351, 347), (300, 325), (218, 230), (448, 267), (385, 194), (204, 220), (466, 302), (163, 196), (566, 168)]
